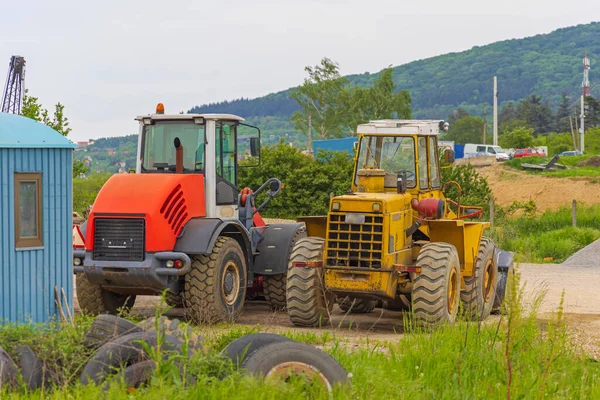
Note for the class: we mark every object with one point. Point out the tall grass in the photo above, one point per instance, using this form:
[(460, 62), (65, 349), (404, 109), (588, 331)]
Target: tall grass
[(513, 356), (550, 235)]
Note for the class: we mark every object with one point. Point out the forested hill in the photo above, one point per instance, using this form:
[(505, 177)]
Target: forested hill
[(547, 65)]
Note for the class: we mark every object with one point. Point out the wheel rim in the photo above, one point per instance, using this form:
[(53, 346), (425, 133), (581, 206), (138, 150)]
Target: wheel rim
[(452, 290), (488, 280), (230, 283), (286, 370)]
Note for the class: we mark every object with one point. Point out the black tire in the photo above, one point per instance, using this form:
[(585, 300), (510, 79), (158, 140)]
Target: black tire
[(138, 374), (174, 299), (308, 302), (215, 288), (276, 359), (126, 350), (93, 300), (356, 305), (480, 289), (436, 290), (402, 303), (107, 327), (32, 368), (274, 286), (8, 370), (238, 350)]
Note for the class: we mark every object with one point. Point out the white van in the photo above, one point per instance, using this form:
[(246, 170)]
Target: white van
[(472, 150)]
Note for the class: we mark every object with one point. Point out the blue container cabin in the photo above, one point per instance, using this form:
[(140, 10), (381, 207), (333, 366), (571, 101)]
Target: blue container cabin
[(36, 203)]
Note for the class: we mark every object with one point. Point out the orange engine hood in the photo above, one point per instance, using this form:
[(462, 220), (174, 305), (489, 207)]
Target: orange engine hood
[(166, 202)]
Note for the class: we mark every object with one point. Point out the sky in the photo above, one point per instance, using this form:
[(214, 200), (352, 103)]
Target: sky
[(109, 61)]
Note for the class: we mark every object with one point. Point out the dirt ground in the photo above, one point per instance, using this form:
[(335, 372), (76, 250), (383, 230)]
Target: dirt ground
[(509, 184), (581, 309)]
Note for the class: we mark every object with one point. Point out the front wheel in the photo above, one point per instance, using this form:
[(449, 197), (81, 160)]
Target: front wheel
[(94, 300), (436, 290), (215, 288), (308, 301)]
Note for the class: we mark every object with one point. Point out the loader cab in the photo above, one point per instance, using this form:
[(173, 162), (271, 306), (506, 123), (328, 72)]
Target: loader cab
[(211, 145), (398, 156)]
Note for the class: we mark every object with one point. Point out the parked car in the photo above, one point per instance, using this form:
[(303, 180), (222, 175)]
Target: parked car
[(485, 150), (570, 153), (528, 152)]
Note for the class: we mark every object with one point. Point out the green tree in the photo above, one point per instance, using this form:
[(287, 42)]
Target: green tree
[(381, 101), (457, 114), (319, 100), (563, 113), (536, 113), (517, 139), (592, 112), (59, 122), (508, 113), (466, 130)]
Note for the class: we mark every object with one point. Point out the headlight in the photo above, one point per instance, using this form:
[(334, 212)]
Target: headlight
[(335, 206), (77, 261), (376, 207)]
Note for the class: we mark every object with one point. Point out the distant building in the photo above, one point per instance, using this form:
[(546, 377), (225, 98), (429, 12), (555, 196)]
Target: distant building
[(36, 205)]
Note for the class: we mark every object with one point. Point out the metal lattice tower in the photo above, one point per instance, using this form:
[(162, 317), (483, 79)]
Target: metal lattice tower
[(15, 86), (586, 78)]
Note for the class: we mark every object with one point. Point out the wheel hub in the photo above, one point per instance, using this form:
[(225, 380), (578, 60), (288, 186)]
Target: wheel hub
[(230, 283), (488, 280), (452, 290), (286, 370)]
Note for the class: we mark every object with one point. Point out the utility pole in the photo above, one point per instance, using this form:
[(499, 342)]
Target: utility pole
[(581, 123), (484, 124), (495, 111)]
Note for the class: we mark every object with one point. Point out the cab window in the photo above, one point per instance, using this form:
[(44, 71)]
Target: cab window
[(395, 155), (435, 166), (423, 173), (226, 151), (480, 149), (491, 150)]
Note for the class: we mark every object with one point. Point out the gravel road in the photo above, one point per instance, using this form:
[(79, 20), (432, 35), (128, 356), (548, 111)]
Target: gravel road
[(581, 308)]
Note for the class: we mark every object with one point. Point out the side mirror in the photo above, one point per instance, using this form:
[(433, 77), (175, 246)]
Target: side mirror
[(255, 146), (448, 156), (275, 186)]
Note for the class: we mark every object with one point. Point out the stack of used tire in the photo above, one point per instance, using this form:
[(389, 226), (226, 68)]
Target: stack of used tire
[(273, 356), (119, 344)]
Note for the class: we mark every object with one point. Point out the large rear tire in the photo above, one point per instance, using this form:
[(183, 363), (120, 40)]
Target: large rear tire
[(480, 289), (274, 285), (436, 290), (308, 302), (93, 300), (356, 305), (215, 288)]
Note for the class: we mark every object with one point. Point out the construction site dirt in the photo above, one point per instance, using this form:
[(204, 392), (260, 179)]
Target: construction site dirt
[(576, 285)]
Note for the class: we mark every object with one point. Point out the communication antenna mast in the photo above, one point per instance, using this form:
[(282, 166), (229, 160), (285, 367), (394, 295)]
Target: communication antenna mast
[(586, 92), (15, 86)]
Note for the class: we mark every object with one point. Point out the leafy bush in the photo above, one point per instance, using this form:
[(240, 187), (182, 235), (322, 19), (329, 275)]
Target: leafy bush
[(517, 139), (474, 187), (86, 189), (308, 182)]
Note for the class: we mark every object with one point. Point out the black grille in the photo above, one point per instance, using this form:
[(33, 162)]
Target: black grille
[(119, 239), (355, 245)]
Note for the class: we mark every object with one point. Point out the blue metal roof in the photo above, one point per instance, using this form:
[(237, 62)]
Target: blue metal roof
[(22, 132)]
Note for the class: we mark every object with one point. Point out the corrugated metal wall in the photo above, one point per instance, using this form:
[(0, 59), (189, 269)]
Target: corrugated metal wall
[(27, 277)]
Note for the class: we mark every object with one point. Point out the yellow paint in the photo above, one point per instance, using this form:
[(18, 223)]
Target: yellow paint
[(382, 283)]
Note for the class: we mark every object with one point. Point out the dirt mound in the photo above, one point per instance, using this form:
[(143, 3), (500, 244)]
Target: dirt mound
[(509, 185), (590, 162)]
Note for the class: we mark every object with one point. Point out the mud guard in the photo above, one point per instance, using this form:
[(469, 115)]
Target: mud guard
[(505, 262), (200, 235), (273, 251)]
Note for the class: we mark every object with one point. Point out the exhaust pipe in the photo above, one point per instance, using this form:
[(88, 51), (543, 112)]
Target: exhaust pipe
[(178, 156)]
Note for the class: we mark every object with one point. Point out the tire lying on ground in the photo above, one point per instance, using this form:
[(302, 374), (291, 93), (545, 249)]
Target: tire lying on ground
[(356, 305), (238, 350), (107, 327), (136, 375), (126, 350), (32, 368), (8, 370), (283, 359)]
